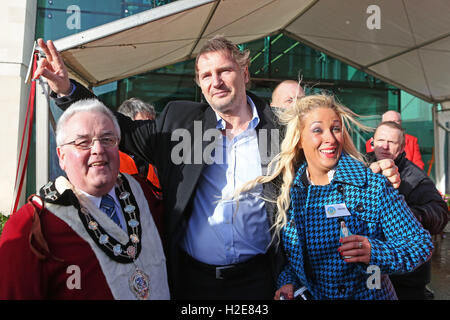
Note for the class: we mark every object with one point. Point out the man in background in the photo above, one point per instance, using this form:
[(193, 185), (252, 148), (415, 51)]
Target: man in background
[(412, 149), (421, 196), (286, 93), (137, 109)]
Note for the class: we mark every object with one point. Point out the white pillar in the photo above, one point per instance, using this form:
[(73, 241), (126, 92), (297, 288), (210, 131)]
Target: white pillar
[(18, 20), (42, 132), (440, 118), (438, 148)]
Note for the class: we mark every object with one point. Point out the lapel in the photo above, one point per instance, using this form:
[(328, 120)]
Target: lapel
[(268, 133), (269, 146), (350, 171), (191, 172)]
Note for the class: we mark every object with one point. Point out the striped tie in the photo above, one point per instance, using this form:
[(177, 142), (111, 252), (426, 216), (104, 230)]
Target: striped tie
[(107, 206)]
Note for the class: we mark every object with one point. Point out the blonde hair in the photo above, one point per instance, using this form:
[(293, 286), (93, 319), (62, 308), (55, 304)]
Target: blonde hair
[(291, 156)]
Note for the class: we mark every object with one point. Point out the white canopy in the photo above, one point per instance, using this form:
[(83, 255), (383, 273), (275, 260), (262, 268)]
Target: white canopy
[(403, 42)]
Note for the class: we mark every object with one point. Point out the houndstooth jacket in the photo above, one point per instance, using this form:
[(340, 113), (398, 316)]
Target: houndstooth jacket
[(398, 242)]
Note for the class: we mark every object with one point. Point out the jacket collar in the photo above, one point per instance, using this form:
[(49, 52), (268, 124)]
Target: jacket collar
[(400, 158), (348, 171), (253, 122), (266, 117)]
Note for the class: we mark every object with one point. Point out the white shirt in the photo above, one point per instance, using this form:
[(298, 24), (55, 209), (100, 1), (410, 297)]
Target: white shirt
[(97, 200)]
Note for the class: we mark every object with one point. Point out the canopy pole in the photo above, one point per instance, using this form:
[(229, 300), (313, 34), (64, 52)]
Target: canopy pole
[(439, 140), (42, 133)]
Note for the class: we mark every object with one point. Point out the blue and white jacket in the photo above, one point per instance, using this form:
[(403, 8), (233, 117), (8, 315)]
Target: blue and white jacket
[(399, 244)]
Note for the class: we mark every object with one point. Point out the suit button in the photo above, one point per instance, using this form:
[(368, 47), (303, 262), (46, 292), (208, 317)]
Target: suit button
[(340, 188), (360, 208)]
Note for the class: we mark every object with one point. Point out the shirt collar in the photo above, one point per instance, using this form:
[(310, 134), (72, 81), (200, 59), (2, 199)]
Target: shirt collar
[(97, 200), (330, 175), (252, 124)]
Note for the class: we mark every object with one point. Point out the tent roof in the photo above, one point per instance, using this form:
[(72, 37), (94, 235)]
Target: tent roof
[(410, 50)]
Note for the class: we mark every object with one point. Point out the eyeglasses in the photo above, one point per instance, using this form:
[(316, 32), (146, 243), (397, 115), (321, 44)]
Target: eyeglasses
[(87, 143)]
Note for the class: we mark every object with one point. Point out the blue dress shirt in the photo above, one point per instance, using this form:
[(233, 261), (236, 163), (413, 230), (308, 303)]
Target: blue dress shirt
[(220, 232)]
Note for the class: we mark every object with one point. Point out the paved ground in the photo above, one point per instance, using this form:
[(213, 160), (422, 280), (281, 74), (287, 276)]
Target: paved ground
[(440, 268)]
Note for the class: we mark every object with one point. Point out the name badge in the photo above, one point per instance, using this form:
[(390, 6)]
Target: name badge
[(336, 210)]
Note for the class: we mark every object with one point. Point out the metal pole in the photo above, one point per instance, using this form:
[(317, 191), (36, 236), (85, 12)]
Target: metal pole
[(438, 155)]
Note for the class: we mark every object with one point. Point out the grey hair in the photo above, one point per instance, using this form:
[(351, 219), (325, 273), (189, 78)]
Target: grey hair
[(133, 106), (87, 105)]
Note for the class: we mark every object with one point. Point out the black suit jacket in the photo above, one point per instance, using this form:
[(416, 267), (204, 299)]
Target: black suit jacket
[(153, 141)]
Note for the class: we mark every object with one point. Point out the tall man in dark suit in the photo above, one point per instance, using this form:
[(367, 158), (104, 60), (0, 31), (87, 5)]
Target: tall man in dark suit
[(203, 152)]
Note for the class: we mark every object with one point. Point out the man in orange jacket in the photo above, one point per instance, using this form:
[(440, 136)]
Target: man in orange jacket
[(411, 143), (137, 109)]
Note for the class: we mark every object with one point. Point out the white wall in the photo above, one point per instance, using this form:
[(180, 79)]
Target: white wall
[(17, 27)]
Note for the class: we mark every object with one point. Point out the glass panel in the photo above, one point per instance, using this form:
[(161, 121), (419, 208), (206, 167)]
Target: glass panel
[(54, 168), (159, 89), (60, 18), (417, 121)]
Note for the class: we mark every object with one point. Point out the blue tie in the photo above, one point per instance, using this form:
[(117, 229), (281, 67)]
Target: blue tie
[(107, 206)]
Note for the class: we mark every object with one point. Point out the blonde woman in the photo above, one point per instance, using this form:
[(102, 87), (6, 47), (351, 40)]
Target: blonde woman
[(324, 182)]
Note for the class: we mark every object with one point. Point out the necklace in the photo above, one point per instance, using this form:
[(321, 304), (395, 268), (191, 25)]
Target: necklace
[(128, 249), (139, 281)]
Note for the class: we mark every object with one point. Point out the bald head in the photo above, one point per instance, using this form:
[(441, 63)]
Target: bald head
[(286, 93), (393, 116)]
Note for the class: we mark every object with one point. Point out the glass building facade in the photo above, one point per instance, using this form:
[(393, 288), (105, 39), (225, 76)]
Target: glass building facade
[(273, 59)]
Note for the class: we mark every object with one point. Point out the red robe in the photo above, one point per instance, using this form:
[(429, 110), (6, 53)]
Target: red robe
[(47, 278), (55, 262)]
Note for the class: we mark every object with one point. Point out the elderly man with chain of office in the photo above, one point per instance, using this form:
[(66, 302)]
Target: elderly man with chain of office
[(90, 235), (215, 250)]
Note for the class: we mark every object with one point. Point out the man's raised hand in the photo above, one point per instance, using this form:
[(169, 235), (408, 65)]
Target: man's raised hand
[(387, 168), (53, 69)]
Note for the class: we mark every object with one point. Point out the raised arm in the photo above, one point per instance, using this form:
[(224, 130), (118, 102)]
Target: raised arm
[(136, 136)]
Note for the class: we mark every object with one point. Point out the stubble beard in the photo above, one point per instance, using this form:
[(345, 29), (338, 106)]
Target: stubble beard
[(223, 106)]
